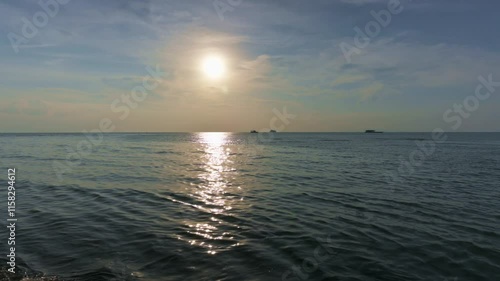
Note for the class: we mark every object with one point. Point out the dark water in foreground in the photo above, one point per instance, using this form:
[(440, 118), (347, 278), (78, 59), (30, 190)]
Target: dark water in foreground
[(216, 206)]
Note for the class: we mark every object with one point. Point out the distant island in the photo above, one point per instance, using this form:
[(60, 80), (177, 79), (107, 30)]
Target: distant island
[(372, 132), (255, 132)]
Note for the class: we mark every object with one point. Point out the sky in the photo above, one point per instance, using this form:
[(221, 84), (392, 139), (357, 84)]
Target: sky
[(293, 65)]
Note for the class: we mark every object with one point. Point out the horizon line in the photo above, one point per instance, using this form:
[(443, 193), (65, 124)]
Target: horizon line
[(195, 132)]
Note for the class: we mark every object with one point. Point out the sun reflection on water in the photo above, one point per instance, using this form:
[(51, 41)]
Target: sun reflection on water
[(215, 183), (216, 163)]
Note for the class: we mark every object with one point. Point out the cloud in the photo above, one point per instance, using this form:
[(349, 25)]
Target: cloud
[(348, 79), (422, 65)]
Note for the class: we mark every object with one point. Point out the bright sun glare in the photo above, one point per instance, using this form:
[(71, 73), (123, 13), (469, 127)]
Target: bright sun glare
[(214, 67)]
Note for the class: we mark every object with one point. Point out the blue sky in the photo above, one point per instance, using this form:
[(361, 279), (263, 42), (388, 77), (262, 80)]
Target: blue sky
[(277, 54)]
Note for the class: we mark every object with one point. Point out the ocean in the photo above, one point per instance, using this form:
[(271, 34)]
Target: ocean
[(240, 206)]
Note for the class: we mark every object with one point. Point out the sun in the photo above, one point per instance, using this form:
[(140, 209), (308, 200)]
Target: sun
[(214, 67)]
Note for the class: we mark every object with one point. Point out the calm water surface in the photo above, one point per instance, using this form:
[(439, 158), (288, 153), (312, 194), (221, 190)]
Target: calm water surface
[(223, 206)]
